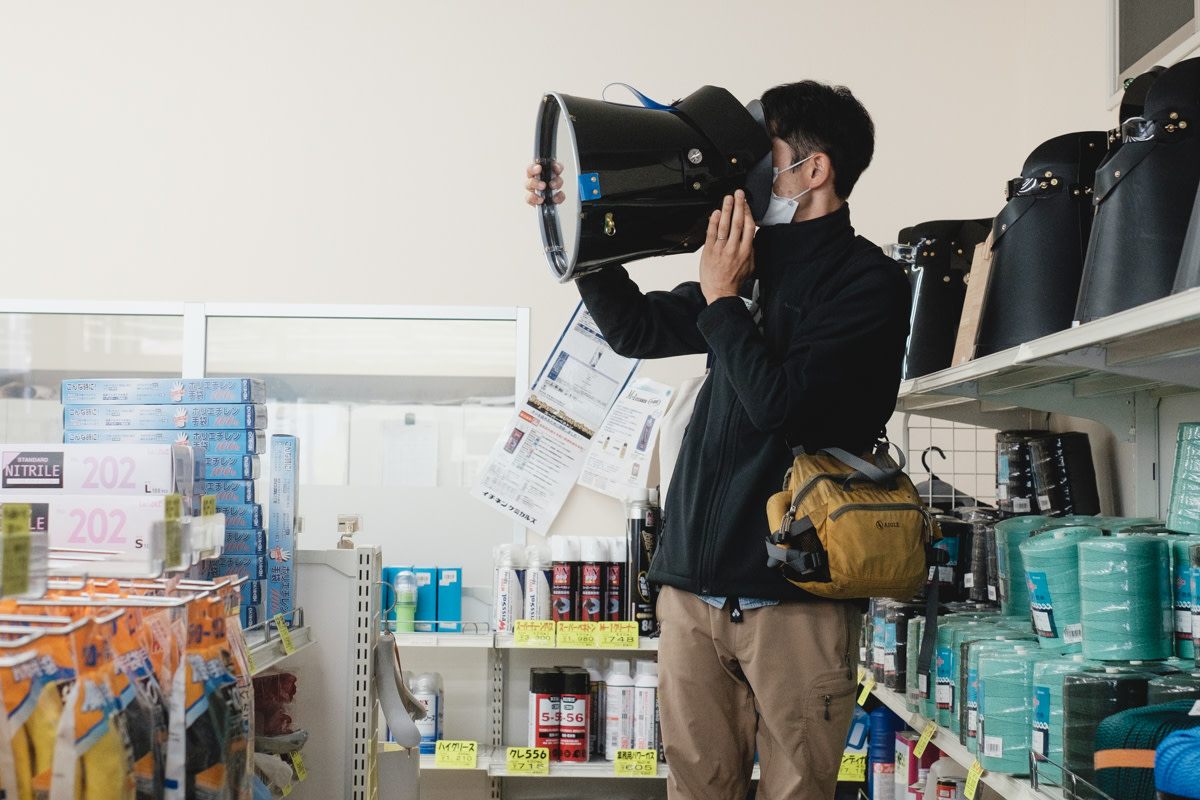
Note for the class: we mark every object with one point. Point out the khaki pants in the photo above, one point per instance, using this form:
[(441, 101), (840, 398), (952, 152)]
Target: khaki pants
[(795, 664)]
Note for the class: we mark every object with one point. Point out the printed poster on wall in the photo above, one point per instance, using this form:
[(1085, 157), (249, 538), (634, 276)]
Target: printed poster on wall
[(619, 456), (540, 454)]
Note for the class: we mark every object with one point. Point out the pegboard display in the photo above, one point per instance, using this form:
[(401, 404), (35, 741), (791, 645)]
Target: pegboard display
[(961, 461)]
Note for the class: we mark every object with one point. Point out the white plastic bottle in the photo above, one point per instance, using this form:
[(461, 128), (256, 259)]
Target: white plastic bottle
[(596, 738), (537, 582), (427, 688), (618, 709), (645, 706)]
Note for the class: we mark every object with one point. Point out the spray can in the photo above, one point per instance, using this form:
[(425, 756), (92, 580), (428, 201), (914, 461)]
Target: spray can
[(545, 699), (881, 754), (641, 535), (596, 691), (427, 688), (573, 719), (618, 709), (507, 588), (645, 706), (564, 578), (537, 582), (593, 578), (614, 594)]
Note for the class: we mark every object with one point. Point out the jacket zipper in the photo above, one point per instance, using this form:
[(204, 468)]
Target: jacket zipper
[(709, 537)]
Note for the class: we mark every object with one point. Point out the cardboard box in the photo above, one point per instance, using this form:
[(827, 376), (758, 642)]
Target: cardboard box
[(116, 469), (228, 467), (972, 312), (241, 516), (169, 391), (242, 542), (229, 442), (189, 417), (231, 491), (449, 599), (427, 598), (116, 523), (281, 523)]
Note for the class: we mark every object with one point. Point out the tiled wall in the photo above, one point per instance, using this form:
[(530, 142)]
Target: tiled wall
[(969, 466)]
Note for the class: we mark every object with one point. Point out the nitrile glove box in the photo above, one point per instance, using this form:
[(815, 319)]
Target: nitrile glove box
[(118, 523), (251, 614), (226, 467), (241, 516), (230, 492), (281, 524), (117, 469), (170, 391), (238, 416), (251, 567), (426, 616), (213, 442), (449, 599)]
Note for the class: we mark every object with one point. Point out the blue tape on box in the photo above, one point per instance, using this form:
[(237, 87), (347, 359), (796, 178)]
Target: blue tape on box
[(133, 391), (240, 416)]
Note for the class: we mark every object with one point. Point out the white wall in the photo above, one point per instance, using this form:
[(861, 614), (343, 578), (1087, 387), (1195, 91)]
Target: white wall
[(370, 151)]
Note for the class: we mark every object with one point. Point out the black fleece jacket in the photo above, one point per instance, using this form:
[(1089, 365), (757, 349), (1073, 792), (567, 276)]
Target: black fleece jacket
[(824, 371)]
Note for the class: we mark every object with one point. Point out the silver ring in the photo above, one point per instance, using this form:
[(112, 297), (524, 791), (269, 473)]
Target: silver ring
[(722, 238)]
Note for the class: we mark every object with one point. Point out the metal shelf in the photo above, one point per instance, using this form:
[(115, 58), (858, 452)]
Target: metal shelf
[(266, 648), (1007, 786)]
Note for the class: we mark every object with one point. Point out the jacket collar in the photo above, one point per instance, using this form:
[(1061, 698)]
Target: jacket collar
[(811, 238)]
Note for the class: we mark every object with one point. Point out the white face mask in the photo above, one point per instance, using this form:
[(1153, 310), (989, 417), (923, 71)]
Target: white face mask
[(780, 210)]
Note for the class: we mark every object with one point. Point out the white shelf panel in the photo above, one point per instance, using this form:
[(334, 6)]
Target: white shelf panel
[(473, 640), (268, 651), (1007, 786), (504, 641)]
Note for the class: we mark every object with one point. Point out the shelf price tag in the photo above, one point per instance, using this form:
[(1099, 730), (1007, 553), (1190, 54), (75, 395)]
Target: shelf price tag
[(14, 568), (250, 661), (298, 763), (973, 775), (577, 634), (287, 790), (527, 761), (636, 763), (868, 685), (533, 633), (208, 505), (285, 635), (853, 768), (617, 635), (451, 754), (923, 742)]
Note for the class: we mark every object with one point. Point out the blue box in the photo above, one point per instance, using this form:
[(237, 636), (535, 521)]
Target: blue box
[(213, 442), (281, 524), (241, 516), (427, 599), (247, 542), (449, 599), (251, 592), (239, 416), (387, 598), (251, 615), (171, 391), (231, 491), (251, 567), (230, 467)]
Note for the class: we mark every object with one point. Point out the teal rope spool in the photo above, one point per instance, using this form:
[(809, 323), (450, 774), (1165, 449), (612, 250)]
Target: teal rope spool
[(912, 691), (1088, 698), (1051, 562), (1047, 730), (1181, 574), (1014, 595), (1125, 598), (1006, 710), (975, 651), (1183, 514), (946, 699)]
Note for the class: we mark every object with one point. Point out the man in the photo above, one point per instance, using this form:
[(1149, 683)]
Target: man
[(746, 659)]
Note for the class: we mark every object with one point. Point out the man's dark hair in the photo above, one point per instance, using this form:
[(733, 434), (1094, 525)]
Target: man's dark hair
[(812, 116)]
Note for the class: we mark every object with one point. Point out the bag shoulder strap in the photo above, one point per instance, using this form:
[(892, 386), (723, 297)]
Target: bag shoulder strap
[(865, 469)]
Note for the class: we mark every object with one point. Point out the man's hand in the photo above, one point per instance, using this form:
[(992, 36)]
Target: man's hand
[(536, 187), (728, 255)]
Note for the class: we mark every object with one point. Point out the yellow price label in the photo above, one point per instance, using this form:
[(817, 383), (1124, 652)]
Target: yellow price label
[(287, 790), (861, 673), (533, 633), (285, 635), (208, 505), (14, 566), (172, 506), (973, 776), (617, 635), (250, 662), (636, 764), (853, 768), (527, 761), (866, 690), (298, 764), (926, 736), (450, 754), (577, 634)]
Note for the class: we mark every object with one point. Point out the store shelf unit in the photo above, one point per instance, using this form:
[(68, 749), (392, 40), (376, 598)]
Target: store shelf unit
[(1006, 786), (267, 647)]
